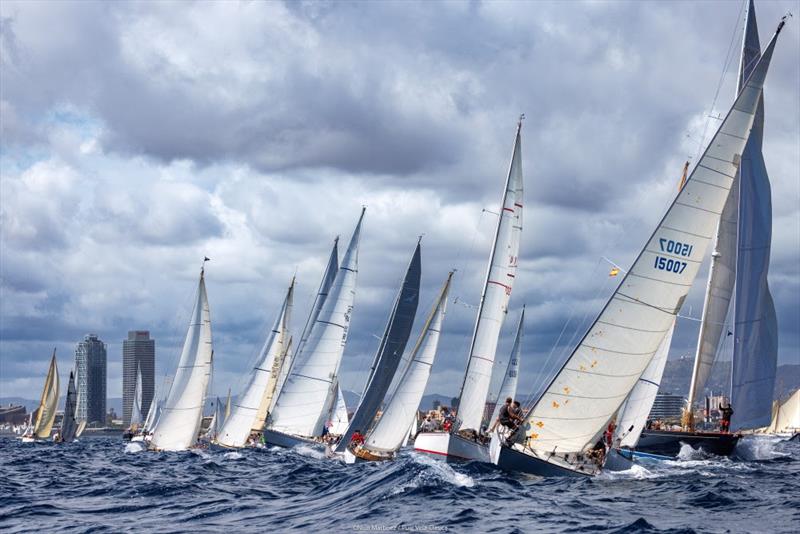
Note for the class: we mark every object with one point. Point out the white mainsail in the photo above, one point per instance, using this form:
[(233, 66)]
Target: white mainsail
[(301, 401), (634, 412), (605, 366), (496, 293), (508, 388), (252, 401), (136, 409), (786, 415), (179, 422), (46, 414), (400, 414)]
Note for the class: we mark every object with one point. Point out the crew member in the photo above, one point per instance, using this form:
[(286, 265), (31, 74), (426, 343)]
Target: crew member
[(725, 423)]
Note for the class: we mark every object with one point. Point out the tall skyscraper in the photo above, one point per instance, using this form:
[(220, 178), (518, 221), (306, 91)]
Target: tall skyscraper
[(138, 352), (90, 364)]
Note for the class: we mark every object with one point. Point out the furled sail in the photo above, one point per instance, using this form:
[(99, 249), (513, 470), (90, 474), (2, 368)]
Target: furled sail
[(496, 293), (401, 410), (509, 386), (389, 353), (301, 401), (136, 409), (605, 366), (755, 348), (634, 412), (69, 426), (46, 414), (250, 408), (178, 425)]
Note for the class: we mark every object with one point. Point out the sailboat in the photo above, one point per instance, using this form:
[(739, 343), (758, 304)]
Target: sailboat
[(785, 417), (738, 274), (250, 410), (178, 425), (465, 440), (46, 413), (300, 408), (136, 408), (508, 388), (399, 419), (388, 356), (149, 420), (211, 433), (562, 433), (69, 426)]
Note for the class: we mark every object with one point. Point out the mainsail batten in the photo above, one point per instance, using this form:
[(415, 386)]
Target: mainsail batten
[(497, 288)]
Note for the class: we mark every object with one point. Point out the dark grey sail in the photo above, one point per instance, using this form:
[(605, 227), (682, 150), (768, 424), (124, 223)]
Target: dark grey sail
[(389, 353), (68, 424)]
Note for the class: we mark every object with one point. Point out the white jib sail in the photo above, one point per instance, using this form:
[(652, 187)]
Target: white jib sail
[(301, 401), (179, 422), (496, 293), (245, 411), (340, 420), (392, 428), (633, 414), (48, 403), (509, 386), (613, 354), (136, 408)]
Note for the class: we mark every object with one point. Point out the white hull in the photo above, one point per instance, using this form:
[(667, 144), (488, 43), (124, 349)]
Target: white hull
[(451, 446)]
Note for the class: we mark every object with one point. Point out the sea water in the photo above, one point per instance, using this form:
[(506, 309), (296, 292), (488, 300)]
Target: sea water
[(106, 485)]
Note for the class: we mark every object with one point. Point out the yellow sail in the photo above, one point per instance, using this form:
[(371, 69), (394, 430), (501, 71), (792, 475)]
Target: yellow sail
[(47, 405), (272, 385)]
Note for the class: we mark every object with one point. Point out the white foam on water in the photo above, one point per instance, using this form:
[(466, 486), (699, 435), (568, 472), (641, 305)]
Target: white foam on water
[(753, 448), (131, 448), (442, 471), (636, 472), (233, 455), (310, 452), (202, 453)]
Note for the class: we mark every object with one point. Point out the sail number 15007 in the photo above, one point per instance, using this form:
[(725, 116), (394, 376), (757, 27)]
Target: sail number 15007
[(672, 247)]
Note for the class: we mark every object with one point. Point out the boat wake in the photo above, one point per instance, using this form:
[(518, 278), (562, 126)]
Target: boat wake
[(755, 448), (439, 471), (131, 448)]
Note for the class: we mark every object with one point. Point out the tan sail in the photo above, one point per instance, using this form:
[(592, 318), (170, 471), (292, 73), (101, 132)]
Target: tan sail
[(47, 405), (272, 386)]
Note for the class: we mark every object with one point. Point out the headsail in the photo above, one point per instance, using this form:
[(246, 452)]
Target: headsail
[(508, 388), (633, 414), (250, 408), (401, 410), (496, 293), (69, 426), (136, 408), (46, 414), (604, 367), (755, 348), (178, 425), (301, 401), (389, 353), (340, 418)]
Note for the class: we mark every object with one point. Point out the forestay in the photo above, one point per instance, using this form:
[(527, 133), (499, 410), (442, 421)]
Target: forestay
[(613, 354), (636, 409), (179, 421), (508, 388), (494, 299), (401, 410), (391, 349), (251, 405), (302, 399)]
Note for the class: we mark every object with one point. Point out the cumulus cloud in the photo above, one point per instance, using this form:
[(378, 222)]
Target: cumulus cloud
[(137, 138)]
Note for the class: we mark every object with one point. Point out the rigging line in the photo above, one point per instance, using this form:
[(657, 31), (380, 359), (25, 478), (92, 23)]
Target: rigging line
[(728, 59)]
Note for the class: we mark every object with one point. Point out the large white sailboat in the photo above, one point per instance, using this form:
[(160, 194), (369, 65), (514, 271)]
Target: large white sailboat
[(46, 412), (562, 434), (178, 424), (737, 281), (249, 412), (301, 406), (392, 429), (464, 441)]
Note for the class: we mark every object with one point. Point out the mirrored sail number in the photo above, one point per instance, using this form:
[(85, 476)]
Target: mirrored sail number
[(672, 247)]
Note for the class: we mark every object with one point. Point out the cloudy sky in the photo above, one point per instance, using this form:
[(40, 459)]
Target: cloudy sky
[(137, 138)]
